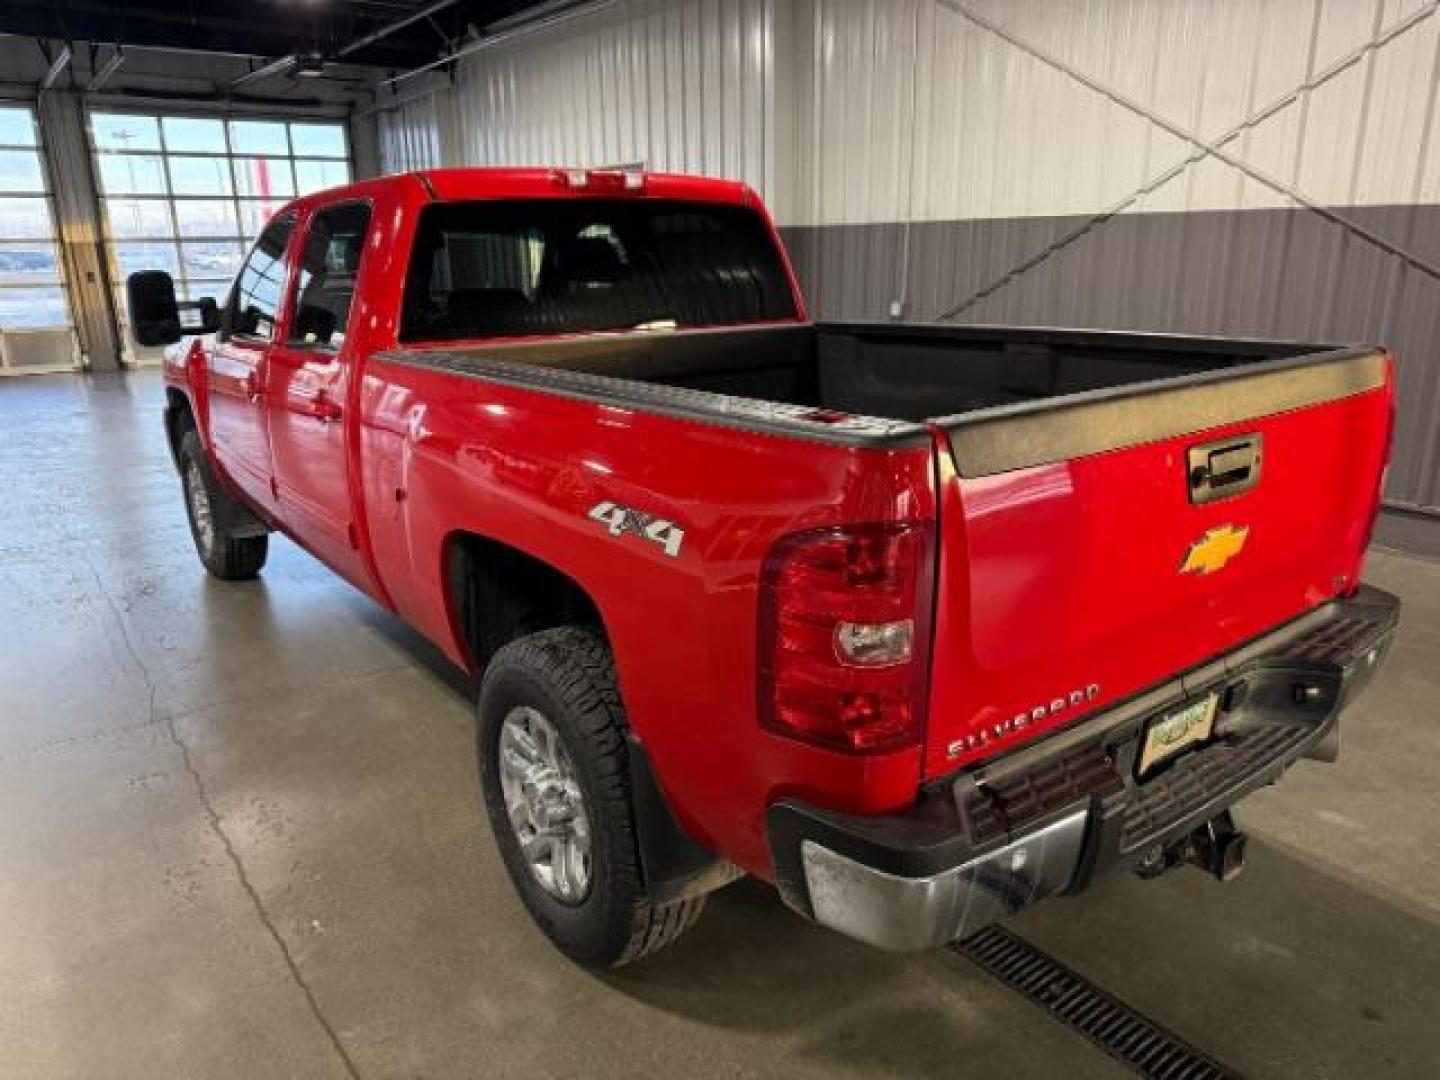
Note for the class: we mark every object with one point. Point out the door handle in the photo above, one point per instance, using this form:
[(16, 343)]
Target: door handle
[(250, 387), (321, 406)]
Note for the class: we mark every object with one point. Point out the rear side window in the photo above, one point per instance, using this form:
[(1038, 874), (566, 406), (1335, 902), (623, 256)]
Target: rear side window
[(534, 267), (329, 265)]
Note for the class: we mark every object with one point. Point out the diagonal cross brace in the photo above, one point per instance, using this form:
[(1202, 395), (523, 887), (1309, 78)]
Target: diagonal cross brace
[(1202, 148)]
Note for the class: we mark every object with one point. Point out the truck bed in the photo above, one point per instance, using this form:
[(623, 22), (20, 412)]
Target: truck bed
[(832, 374)]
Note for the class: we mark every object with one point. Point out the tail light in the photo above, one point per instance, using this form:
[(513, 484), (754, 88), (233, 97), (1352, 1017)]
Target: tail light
[(1379, 497), (845, 635)]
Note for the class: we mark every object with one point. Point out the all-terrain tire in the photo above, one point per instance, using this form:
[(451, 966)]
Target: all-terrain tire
[(567, 675), (208, 505)]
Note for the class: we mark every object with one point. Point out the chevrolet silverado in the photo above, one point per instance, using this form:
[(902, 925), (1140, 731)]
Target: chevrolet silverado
[(921, 623)]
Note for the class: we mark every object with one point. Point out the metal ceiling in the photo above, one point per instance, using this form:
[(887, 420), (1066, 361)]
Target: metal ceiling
[(399, 34)]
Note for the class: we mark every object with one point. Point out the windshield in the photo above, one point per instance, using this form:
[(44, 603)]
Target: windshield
[(556, 266)]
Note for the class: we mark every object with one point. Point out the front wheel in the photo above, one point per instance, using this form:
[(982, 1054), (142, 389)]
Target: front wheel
[(556, 785), (208, 506)]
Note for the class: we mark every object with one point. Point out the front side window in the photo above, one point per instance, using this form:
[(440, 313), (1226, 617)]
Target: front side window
[(329, 265), (254, 303), (554, 266)]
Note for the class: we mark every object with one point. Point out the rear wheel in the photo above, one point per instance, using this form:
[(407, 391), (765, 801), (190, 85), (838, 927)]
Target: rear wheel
[(208, 506), (556, 785)]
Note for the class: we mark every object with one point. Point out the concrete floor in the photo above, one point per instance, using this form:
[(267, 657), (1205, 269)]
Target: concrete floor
[(242, 839)]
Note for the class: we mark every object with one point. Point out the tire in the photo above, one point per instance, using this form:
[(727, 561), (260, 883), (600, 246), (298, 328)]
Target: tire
[(207, 504), (566, 677)]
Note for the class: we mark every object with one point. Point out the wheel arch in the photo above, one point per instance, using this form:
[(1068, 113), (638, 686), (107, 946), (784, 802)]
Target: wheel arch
[(496, 592)]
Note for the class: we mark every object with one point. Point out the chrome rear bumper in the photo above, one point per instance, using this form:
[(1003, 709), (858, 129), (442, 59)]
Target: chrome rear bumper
[(907, 914)]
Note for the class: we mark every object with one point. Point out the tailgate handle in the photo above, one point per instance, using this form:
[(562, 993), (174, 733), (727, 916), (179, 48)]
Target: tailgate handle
[(1218, 470)]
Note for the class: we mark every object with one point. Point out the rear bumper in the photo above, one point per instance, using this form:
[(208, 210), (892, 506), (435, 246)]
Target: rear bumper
[(1049, 817)]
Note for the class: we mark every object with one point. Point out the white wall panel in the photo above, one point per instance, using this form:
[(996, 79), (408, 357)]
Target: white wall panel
[(409, 134), (906, 110), (680, 86)]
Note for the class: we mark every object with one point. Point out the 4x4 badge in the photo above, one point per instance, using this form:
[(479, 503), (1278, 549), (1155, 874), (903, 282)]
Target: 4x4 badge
[(622, 519), (1213, 550)]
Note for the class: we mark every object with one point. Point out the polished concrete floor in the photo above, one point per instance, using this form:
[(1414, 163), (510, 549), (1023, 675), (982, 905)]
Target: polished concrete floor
[(241, 838)]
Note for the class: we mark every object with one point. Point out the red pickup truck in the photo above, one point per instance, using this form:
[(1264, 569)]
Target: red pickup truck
[(921, 623)]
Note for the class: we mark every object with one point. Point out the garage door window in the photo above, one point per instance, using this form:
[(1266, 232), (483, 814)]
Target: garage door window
[(32, 287), (188, 194)]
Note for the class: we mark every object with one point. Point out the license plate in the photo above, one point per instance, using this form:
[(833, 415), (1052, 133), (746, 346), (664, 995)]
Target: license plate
[(1169, 734)]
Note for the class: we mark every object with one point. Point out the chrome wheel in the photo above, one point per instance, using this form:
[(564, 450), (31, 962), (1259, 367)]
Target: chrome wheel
[(200, 512), (545, 805)]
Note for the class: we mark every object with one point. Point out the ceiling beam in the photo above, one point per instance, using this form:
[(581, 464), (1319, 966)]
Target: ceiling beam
[(265, 71), (102, 76), (57, 67), (390, 28)]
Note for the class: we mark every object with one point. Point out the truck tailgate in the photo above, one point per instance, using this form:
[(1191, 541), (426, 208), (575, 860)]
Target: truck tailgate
[(1096, 546)]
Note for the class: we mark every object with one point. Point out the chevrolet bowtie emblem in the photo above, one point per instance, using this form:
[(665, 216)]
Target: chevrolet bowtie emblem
[(1213, 550)]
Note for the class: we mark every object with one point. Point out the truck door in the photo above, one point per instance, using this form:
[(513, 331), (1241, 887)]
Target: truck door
[(237, 363), (307, 389)]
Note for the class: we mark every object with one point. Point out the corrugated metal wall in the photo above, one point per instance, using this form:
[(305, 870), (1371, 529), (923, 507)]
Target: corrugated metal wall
[(681, 86), (409, 133), (1266, 167)]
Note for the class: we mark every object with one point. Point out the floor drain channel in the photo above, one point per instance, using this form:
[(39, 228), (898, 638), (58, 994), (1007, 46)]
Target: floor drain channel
[(1116, 1028)]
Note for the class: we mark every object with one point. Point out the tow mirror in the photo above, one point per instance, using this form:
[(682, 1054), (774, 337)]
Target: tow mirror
[(155, 316)]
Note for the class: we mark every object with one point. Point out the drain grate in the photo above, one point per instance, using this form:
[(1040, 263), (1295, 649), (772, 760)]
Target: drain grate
[(1116, 1028)]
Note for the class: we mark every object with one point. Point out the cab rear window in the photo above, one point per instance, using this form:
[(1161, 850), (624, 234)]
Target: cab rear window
[(533, 267)]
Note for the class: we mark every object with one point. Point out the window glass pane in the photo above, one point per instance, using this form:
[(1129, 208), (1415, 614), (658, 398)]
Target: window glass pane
[(24, 219), (199, 176), (326, 280), (17, 127), (318, 140), (23, 264), (211, 258), (206, 217), (132, 257), (188, 134), (255, 213), (33, 308), (198, 289), (138, 218), (489, 269), (258, 137), (263, 176), (317, 175), (20, 171), (131, 174), (255, 300), (114, 131)]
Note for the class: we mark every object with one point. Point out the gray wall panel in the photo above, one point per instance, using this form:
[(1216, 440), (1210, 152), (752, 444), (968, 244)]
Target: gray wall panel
[(1267, 273)]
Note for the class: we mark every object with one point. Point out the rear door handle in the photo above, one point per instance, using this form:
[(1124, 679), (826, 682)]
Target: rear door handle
[(1226, 467), (250, 387), (321, 406)]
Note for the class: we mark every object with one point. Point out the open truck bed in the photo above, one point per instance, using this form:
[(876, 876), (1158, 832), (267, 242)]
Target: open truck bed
[(887, 381)]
